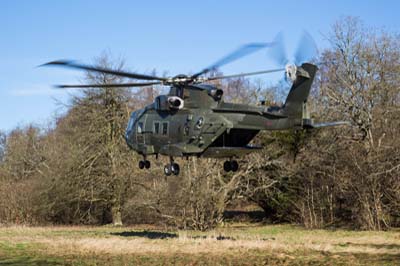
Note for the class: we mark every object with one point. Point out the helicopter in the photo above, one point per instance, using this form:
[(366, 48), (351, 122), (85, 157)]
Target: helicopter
[(194, 120)]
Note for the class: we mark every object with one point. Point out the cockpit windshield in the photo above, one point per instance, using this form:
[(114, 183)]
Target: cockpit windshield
[(135, 116), (130, 127)]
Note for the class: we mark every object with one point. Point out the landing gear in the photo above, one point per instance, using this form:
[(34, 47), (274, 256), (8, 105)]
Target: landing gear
[(171, 168), (234, 166), (167, 170), (227, 166), (175, 168), (144, 163), (141, 164), (231, 165)]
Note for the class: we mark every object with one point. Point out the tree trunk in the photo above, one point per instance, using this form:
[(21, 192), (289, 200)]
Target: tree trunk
[(116, 215)]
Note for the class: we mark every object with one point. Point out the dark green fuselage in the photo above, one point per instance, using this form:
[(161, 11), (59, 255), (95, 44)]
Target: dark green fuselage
[(209, 127)]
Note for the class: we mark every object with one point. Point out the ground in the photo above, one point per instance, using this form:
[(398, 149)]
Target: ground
[(234, 244)]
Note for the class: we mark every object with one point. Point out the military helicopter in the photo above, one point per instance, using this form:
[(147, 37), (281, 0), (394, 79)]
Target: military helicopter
[(194, 120)]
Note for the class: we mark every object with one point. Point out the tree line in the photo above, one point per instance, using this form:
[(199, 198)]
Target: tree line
[(80, 171)]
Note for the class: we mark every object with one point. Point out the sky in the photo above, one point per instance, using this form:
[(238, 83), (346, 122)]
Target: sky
[(169, 36)]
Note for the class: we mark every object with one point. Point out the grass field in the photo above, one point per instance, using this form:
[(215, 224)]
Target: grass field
[(235, 244)]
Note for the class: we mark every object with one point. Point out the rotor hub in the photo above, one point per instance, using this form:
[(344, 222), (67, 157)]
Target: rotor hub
[(179, 79), (291, 70)]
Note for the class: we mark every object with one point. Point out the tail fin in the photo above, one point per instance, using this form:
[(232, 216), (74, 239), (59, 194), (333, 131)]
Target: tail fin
[(300, 90)]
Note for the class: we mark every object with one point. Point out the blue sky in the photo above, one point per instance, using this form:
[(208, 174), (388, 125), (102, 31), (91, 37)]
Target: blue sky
[(173, 36)]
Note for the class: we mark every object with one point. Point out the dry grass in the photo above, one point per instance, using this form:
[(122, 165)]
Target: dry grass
[(262, 243)]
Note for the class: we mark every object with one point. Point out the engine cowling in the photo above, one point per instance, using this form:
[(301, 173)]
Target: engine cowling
[(175, 102), (216, 94)]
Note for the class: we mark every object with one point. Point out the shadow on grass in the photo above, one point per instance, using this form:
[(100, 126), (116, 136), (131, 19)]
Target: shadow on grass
[(146, 234), (220, 237), (29, 261), (163, 235)]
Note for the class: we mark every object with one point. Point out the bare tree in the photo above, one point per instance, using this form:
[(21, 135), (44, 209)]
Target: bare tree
[(359, 82), (97, 168)]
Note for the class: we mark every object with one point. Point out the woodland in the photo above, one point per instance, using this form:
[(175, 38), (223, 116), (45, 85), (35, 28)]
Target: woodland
[(78, 170)]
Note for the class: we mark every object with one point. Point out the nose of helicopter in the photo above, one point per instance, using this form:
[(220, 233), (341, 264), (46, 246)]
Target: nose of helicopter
[(130, 127)]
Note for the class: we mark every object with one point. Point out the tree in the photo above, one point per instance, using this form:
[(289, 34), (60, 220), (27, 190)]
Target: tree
[(3, 138), (94, 165), (20, 169), (359, 82)]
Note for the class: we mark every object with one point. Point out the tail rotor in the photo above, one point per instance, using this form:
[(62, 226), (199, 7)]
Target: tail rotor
[(306, 51)]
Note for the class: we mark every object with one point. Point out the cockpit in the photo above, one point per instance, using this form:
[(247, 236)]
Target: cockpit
[(131, 127), (132, 120)]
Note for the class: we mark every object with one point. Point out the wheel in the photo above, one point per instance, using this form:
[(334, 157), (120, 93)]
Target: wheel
[(167, 170), (147, 164), (227, 166), (234, 166), (141, 164), (175, 168)]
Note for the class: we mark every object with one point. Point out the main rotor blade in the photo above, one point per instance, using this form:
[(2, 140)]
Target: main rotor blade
[(71, 64), (121, 85), (235, 55), (306, 49), (278, 52), (247, 74)]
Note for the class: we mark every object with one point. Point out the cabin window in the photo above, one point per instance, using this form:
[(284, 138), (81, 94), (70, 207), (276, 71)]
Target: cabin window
[(140, 128), (156, 128), (165, 128)]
